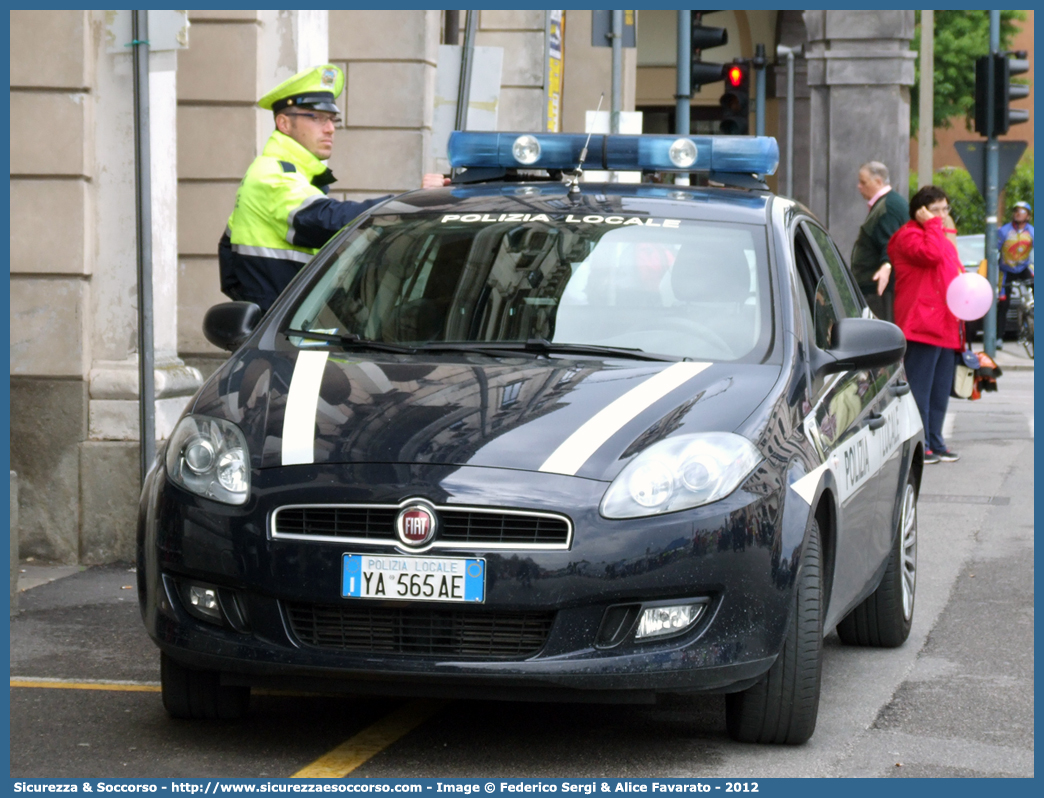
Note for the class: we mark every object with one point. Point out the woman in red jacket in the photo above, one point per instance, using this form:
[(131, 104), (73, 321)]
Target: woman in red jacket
[(925, 262)]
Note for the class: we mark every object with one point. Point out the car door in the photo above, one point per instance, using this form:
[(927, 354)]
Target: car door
[(843, 408), (888, 384)]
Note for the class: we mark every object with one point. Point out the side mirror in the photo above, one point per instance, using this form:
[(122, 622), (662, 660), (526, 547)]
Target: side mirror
[(860, 344), (229, 324)]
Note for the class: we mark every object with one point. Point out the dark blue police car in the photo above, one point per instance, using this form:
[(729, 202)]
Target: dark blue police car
[(527, 436)]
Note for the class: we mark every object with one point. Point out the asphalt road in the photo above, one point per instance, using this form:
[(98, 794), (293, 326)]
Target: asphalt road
[(955, 701)]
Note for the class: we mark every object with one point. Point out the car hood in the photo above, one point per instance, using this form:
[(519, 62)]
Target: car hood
[(560, 415)]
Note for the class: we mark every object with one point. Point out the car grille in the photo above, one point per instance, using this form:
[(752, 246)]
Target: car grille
[(456, 526), (356, 522), (460, 633)]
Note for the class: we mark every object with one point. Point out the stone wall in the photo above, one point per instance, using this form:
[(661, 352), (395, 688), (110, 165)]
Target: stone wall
[(74, 382), (389, 58), (52, 247)]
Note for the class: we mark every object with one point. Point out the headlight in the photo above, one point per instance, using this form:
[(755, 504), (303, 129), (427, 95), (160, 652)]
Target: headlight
[(680, 473), (209, 457)]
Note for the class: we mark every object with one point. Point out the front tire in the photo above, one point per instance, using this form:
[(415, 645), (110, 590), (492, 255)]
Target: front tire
[(782, 707), (1026, 331), (199, 695), (884, 618)]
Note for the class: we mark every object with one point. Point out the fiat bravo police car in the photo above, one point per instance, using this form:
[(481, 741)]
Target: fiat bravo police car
[(532, 436)]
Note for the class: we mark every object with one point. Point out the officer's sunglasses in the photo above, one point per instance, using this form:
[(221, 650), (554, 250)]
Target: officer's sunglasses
[(321, 119)]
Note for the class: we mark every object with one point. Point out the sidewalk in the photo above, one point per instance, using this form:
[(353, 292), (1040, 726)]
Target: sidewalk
[(33, 574)]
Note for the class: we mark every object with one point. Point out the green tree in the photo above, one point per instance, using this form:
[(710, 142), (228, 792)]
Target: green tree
[(1020, 185), (960, 38), (967, 204)]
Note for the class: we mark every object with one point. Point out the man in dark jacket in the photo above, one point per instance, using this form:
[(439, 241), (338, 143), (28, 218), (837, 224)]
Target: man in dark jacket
[(869, 262)]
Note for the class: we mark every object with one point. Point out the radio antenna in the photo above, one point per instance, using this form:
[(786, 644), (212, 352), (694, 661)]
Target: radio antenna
[(574, 185)]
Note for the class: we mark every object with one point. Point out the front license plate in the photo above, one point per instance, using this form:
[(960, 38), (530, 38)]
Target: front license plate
[(378, 576)]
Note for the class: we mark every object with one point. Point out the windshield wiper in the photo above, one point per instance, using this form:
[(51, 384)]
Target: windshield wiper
[(351, 341), (541, 346), (491, 348)]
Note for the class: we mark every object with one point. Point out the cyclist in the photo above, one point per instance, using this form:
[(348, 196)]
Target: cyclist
[(1015, 258)]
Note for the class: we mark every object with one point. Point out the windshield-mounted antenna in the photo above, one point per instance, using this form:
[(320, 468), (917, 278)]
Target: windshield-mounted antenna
[(574, 183)]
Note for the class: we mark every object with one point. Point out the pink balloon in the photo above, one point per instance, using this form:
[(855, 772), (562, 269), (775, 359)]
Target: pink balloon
[(969, 296)]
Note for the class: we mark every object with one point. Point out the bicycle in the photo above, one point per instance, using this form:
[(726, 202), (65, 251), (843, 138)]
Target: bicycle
[(1025, 323)]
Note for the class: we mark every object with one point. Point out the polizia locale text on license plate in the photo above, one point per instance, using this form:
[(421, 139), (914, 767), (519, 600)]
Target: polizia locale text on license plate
[(378, 576)]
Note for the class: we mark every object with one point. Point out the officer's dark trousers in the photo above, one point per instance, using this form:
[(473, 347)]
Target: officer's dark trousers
[(929, 370)]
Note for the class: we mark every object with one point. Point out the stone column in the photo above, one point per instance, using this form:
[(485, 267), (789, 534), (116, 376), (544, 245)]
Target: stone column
[(109, 466), (860, 69)]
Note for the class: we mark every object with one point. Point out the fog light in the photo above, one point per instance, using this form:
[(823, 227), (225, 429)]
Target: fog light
[(204, 600), (666, 621)]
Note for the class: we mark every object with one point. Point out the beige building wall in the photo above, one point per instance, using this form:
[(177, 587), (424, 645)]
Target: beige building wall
[(74, 381), (52, 143), (389, 59), (588, 72), (521, 35), (218, 136)]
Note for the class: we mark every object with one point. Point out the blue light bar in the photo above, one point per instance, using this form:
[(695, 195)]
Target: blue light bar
[(651, 153)]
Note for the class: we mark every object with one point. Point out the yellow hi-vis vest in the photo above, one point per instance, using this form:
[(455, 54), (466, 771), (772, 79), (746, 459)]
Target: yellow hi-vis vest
[(276, 186)]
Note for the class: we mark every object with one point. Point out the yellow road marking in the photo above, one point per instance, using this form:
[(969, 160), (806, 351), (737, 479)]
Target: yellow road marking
[(356, 750), (335, 764), (63, 685), (137, 687)]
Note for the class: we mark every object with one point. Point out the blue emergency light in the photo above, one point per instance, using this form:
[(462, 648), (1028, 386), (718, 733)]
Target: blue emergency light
[(647, 153)]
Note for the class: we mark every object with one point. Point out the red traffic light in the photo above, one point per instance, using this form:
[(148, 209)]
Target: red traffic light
[(735, 76)]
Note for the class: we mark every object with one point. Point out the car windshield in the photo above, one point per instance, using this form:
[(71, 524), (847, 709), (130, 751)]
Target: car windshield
[(679, 288)]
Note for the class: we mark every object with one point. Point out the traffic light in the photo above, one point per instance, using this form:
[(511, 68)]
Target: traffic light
[(1014, 64), (703, 38), (1004, 91), (735, 102)]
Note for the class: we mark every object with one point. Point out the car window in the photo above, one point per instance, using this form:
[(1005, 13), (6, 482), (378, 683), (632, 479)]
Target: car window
[(817, 289), (686, 289), (838, 271)]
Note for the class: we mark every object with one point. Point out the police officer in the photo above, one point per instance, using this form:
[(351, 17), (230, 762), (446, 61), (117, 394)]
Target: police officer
[(282, 215)]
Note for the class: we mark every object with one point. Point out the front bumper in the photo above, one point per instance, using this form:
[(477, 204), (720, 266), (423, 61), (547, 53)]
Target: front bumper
[(730, 554)]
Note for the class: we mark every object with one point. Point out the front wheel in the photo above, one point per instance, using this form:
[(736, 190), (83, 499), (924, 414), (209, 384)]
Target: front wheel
[(1026, 331), (782, 707), (199, 695), (884, 618)]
